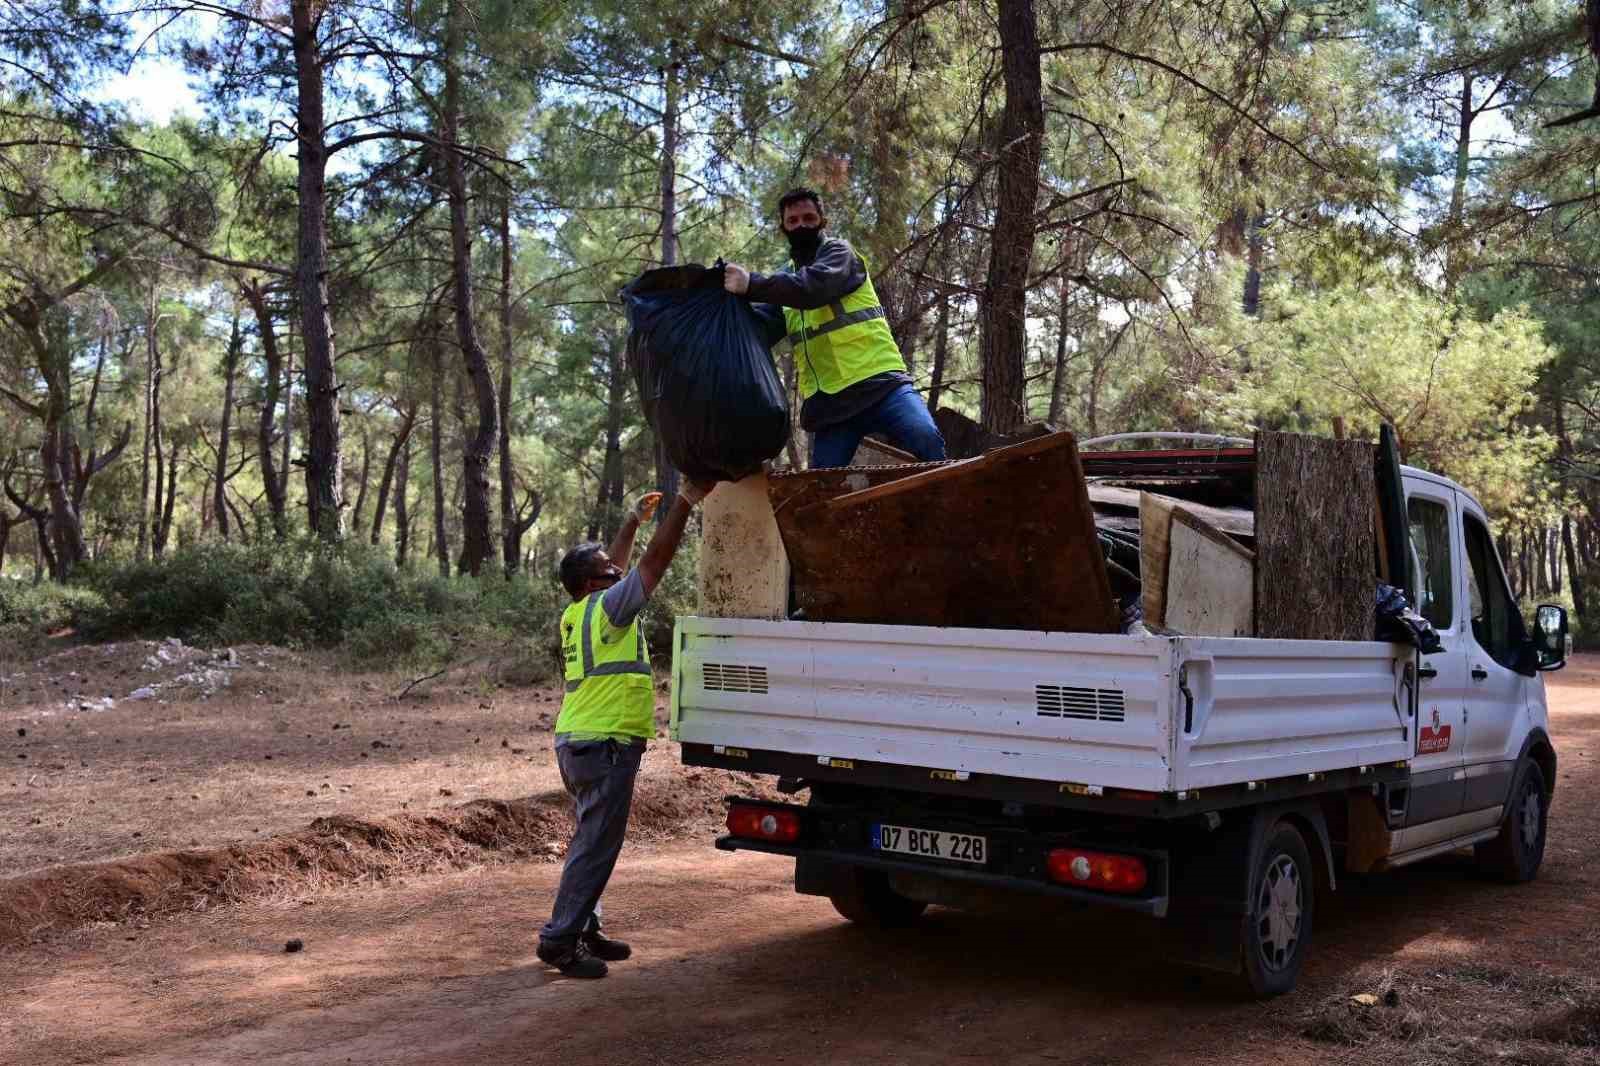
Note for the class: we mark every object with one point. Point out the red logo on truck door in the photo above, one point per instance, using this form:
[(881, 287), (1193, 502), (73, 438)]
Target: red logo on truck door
[(1434, 738)]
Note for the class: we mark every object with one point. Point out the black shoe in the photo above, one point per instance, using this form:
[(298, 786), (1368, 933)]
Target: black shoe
[(575, 961), (603, 947)]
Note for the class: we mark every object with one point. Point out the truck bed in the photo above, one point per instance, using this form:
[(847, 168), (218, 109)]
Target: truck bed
[(1067, 712)]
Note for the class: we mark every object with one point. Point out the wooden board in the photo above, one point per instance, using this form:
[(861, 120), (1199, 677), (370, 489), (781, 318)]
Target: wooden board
[(744, 571), (1392, 520), (1315, 555), (1155, 531), (1209, 589), (964, 438), (1005, 541), (1232, 520), (874, 452)]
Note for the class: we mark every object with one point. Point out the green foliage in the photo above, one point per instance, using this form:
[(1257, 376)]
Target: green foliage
[(28, 610), (305, 594), (1456, 388)]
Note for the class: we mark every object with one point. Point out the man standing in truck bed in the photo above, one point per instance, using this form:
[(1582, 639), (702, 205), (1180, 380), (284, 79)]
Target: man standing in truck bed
[(607, 717), (851, 373)]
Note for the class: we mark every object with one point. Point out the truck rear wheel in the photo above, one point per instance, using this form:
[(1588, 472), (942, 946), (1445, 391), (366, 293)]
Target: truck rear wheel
[(1515, 855), (864, 897), (1277, 926)]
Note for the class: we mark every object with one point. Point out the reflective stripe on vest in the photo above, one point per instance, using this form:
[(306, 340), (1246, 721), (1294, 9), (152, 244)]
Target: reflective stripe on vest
[(638, 665), (852, 343), (841, 318)]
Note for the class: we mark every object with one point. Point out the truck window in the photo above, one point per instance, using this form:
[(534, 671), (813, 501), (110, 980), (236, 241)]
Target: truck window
[(1430, 540), (1496, 624)]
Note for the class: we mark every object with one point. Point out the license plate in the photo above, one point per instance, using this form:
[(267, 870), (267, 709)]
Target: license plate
[(930, 843)]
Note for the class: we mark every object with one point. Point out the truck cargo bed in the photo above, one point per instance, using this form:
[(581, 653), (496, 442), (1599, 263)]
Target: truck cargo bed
[(1161, 715)]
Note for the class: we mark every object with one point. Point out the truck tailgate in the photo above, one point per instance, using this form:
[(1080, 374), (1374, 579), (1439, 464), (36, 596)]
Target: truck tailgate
[(1157, 714)]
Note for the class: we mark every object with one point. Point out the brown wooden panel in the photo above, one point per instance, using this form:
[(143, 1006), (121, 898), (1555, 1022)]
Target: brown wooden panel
[(1314, 538), (1004, 541)]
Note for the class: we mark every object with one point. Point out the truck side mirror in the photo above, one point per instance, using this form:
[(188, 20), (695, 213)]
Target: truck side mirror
[(1550, 636)]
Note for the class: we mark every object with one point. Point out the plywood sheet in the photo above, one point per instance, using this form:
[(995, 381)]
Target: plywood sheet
[(1210, 581), (744, 570), (1004, 541), (1315, 555)]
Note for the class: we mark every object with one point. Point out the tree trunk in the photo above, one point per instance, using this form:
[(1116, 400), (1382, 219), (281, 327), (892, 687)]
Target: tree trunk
[(1255, 249), (287, 465), (511, 528), (1058, 380), (666, 473), (1454, 238), (1574, 574), (441, 544), (271, 380), (402, 442), (152, 360), (361, 483), (608, 504), (157, 540), (402, 517), (477, 546), (1003, 332), (323, 472), (229, 363), (165, 527), (1541, 573), (941, 353)]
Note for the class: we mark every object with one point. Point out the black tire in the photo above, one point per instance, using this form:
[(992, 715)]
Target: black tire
[(1514, 856), (864, 897), (1277, 925)]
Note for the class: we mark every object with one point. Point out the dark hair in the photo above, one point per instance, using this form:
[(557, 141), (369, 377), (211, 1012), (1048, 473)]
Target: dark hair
[(576, 567), (795, 196)]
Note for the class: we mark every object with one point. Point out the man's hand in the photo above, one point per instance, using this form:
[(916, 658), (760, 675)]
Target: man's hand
[(695, 491), (736, 279), (645, 509)]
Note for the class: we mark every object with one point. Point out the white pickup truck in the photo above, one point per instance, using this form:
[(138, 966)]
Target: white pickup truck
[(1220, 784)]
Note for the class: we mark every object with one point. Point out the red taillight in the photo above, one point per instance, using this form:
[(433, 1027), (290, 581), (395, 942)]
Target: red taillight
[(1097, 869), (764, 823)]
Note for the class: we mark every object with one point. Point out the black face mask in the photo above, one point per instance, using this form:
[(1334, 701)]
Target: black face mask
[(804, 242)]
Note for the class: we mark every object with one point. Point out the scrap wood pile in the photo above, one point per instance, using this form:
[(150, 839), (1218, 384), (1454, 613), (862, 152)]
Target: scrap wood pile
[(1285, 539)]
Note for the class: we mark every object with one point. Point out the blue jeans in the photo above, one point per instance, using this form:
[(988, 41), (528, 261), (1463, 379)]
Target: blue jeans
[(901, 416)]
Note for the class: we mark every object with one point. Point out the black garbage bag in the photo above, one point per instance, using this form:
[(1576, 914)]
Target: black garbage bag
[(1398, 623), (705, 379)]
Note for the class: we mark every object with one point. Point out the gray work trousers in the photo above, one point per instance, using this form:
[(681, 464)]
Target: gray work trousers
[(599, 776)]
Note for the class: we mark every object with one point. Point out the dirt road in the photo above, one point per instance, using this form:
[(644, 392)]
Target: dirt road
[(732, 967)]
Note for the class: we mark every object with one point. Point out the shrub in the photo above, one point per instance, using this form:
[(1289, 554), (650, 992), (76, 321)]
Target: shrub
[(27, 609)]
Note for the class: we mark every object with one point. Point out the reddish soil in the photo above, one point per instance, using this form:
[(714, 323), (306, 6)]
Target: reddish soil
[(732, 967)]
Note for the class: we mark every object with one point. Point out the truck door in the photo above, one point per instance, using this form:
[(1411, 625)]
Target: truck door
[(1437, 776), (1496, 695)]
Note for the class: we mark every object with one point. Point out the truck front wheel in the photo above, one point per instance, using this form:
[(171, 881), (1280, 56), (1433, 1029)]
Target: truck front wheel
[(864, 897), (1277, 926), (1516, 853)]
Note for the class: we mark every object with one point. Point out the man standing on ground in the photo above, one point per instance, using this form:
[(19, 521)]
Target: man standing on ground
[(607, 717), (851, 373)]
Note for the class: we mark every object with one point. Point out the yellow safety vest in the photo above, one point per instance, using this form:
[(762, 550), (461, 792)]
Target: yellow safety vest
[(846, 342), (609, 686)]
